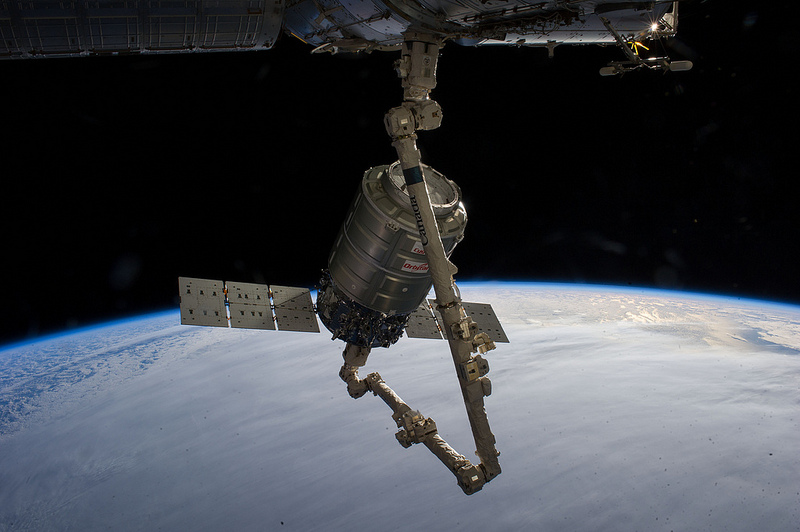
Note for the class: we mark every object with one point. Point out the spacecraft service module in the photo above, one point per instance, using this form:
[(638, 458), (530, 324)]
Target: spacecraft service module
[(406, 218)]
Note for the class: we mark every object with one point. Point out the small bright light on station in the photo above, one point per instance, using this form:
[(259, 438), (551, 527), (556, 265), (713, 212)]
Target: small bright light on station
[(654, 26)]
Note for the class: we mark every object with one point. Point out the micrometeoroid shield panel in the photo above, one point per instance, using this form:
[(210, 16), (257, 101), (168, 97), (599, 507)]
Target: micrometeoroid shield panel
[(378, 259)]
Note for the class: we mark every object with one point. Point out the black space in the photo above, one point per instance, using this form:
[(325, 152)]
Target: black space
[(120, 174)]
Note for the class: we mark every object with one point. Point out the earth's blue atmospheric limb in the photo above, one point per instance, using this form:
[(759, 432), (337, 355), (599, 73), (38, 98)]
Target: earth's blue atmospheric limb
[(614, 409)]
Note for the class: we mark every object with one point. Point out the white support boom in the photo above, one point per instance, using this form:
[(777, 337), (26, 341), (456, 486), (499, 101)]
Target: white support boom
[(417, 69)]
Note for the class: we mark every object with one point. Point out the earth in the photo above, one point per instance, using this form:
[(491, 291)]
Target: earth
[(613, 408)]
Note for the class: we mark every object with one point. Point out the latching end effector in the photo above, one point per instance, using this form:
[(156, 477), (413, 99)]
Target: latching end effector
[(471, 478), (354, 358), (417, 64), (417, 70), (414, 428), (413, 116)]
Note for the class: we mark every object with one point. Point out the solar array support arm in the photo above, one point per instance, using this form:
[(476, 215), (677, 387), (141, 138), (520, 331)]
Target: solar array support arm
[(417, 70)]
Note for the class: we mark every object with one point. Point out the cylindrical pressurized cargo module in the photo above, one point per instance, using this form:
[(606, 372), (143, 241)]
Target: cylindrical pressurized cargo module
[(377, 270)]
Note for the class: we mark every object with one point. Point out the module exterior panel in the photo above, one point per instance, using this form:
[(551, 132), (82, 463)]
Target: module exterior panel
[(203, 302), (249, 306), (422, 324)]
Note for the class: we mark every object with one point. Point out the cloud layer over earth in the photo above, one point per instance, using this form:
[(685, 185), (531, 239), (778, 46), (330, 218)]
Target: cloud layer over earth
[(614, 409)]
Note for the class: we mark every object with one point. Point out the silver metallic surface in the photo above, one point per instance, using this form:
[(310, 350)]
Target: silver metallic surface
[(378, 259)]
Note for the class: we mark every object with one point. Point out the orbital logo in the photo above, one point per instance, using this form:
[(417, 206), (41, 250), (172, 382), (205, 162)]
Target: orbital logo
[(420, 226), (415, 267)]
